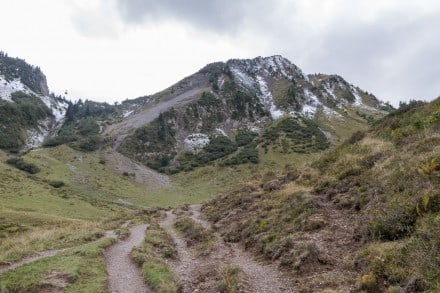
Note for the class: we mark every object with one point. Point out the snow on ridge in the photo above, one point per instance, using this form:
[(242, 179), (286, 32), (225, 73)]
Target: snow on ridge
[(358, 99), (330, 90), (267, 99), (359, 103), (281, 66), (245, 79)]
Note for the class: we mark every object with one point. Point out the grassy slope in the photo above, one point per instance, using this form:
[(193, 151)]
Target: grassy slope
[(35, 216), (386, 183), (80, 269), (85, 174)]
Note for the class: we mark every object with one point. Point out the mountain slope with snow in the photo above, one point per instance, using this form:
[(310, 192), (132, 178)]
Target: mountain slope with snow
[(28, 113), (243, 95)]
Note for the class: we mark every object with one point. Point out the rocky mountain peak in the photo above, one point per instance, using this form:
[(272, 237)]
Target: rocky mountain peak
[(18, 70)]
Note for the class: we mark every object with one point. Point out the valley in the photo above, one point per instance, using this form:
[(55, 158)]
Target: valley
[(247, 176)]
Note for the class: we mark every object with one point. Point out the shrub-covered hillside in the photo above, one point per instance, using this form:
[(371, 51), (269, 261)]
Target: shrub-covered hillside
[(82, 125), (26, 111), (366, 215)]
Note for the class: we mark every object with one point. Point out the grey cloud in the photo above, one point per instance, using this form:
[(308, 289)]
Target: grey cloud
[(395, 56), (95, 22), (214, 15)]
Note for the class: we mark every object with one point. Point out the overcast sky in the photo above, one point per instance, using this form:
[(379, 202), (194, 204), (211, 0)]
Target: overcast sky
[(111, 50)]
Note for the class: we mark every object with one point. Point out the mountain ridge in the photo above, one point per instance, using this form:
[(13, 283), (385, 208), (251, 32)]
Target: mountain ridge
[(240, 94)]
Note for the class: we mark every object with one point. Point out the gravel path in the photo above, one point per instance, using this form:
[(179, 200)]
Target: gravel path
[(124, 275)]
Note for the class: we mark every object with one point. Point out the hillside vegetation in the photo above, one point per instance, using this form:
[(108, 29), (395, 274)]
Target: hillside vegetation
[(366, 214), (16, 118)]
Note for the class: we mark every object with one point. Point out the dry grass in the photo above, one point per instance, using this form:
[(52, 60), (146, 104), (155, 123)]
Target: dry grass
[(60, 235)]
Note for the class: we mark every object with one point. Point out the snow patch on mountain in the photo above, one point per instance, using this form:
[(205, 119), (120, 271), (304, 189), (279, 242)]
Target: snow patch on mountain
[(7, 88), (221, 82), (330, 113), (358, 102), (279, 64), (195, 142), (312, 104), (37, 134), (267, 99), (254, 129), (243, 78), (358, 99), (330, 91), (59, 112), (127, 113), (36, 137), (221, 132)]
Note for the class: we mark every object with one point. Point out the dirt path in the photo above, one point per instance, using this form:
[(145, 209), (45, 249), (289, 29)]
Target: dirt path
[(193, 271), (43, 254), (124, 275), (32, 258), (264, 278), (145, 175), (186, 262)]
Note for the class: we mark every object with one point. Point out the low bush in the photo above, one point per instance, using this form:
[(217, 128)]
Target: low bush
[(19, 163), (56, 184), (197, 237), (231, 279), (389, 221)]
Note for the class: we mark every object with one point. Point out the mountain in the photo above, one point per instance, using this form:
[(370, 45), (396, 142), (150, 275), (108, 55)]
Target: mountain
[(228, 107), (190, 123), (28, 113), (307, 184)]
